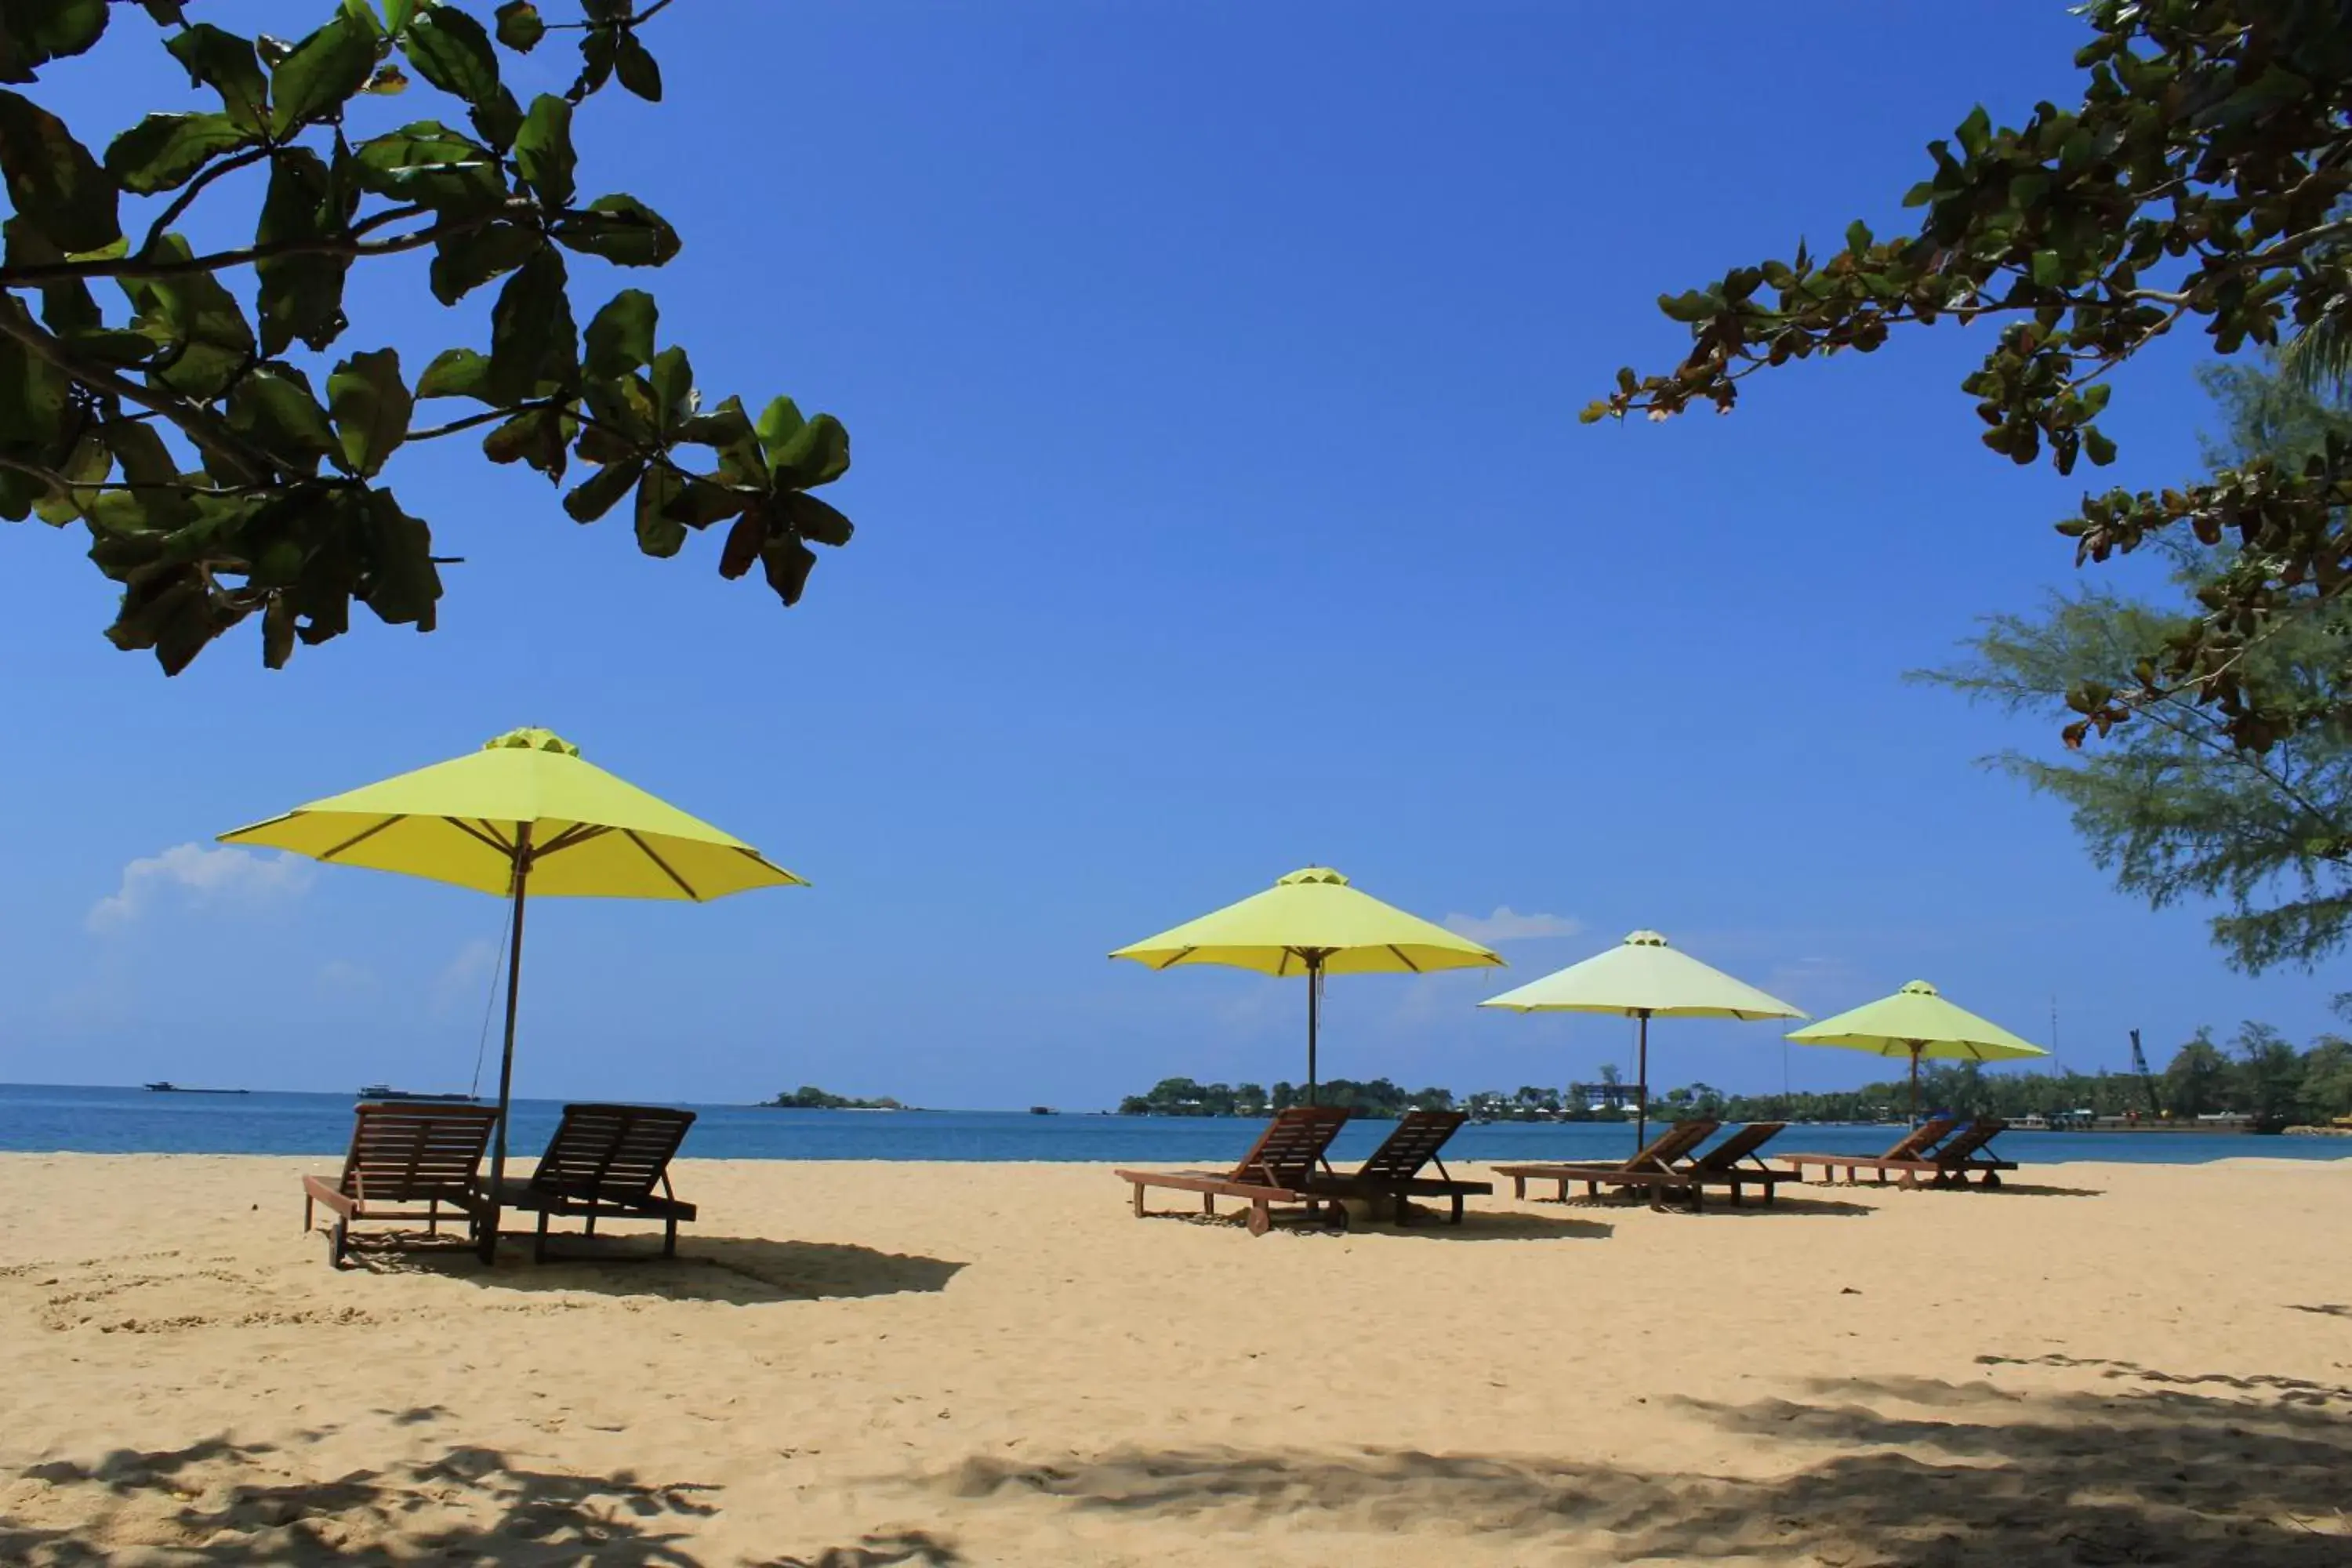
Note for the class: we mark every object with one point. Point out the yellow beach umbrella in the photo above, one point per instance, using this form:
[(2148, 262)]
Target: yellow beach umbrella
[(1643, 977), (524, 815), (1312, 922), (1917, 1022)]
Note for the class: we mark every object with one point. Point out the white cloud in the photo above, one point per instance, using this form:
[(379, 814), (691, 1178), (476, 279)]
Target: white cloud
[(461, 984), (196, 876), (1507, 924), (343, 977)]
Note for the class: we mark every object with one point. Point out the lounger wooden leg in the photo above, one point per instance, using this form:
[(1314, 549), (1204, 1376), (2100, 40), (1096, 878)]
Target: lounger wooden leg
[(1518, 1186), (1260, 1218), (539, 1243), (306, 1213), (1139, 1200), (669, 1238), (433, 1216), (338, 1241), (1457, 1209), (1208, 1203)]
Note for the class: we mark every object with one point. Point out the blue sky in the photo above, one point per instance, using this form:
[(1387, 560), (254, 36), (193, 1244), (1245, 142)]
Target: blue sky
[(1213, 372)]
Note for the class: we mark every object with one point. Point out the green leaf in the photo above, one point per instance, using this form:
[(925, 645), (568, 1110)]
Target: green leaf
[(274, 406), (67, 307), (456, 373), (532, 338), (787, 563), (520, 27), (33, 392), (536, 438), (450, 50), (2048, 270), (2097, 446), (225, 63), (815, 519), (163, 151), (671, 378), (621, 229), (39, 31), (1975, 133), (323, 73), (205, 326), (816, 453), (658, 533), (1691, 307), (370, 406), (542, 150), (621, 336), (429, 163), (1857, 237), (300, 296), (596, 495), (53, 181), (497, 119), (113, 346), (597, 48), (398, 14), (402, 585), (638, 70), (388, 81), (464, 262)]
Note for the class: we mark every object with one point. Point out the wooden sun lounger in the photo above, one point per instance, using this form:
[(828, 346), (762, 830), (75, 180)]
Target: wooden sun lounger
[(1279, 1169), (1652, 1169), (1735, 1164), (405, 1154), (1932, 1149), (1393, 1170), (604, 1163)]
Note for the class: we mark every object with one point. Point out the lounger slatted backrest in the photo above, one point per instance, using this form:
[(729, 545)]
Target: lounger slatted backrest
[(406, 1152), (1741, 1145), (610, 1153), (1419, 1135), (1914, 1145), (1672, 1144), (1969, 1140), (1292, 1147)]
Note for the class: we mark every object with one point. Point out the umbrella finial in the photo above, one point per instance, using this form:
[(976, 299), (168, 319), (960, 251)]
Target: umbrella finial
[(531, 741), (1312, 874), (1919, 988), (1646, 939)]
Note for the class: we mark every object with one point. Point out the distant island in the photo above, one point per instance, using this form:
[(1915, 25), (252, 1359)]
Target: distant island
[(1377, 1097), (810, 1098)]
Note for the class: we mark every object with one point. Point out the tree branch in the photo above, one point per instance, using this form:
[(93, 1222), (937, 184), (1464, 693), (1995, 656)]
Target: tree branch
[(180, 203), (210, 432), (347, 244)]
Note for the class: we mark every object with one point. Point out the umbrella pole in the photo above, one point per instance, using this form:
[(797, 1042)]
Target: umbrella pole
[(1642, 1088), (1314, 998), (1915, 1083), (506, 1059)]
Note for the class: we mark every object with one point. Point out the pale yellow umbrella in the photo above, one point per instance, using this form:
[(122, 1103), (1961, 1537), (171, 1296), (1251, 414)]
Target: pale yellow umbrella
[(523, 814), (1916, 1022), (1643, 977), (1311, 922)]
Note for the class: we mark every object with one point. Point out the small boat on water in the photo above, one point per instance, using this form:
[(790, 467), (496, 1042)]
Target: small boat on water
[(385, 1092), (1042, 1110), (165, 1085)]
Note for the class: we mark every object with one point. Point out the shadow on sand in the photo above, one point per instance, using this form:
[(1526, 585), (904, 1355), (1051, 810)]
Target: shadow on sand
[(1956, 1474), (743, 1270), (219, 1504)]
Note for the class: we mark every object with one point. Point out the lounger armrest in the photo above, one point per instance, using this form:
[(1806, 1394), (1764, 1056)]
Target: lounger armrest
[(327, 1193)]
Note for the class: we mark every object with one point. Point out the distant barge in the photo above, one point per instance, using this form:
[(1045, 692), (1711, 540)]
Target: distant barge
[(167, 1087), (385, 1092)]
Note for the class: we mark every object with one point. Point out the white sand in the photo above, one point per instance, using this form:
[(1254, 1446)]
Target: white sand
[(866, 1364)]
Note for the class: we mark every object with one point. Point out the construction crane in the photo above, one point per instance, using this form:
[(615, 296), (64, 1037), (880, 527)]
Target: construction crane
[(2147, 1078)]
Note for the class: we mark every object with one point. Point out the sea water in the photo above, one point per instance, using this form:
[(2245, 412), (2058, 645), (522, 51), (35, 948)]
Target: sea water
[(46, 1117)]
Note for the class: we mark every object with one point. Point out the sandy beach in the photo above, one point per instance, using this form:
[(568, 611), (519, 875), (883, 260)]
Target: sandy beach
[(862, 1365)]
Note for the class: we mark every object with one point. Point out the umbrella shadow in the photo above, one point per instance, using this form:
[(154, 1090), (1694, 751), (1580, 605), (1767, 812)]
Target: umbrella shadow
[(743, 1270)]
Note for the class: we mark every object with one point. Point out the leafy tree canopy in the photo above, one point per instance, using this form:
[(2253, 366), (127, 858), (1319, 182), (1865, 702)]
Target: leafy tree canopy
[(2173, 806), (2200, 181), (226, 455)]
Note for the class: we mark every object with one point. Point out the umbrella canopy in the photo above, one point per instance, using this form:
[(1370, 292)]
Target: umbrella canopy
[(1917, 1022), (1643, 977), (524, 815), (1311, 922)]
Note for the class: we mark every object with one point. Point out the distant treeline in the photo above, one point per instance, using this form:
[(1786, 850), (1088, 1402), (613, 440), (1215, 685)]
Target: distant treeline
[(2259, 1076), (810, 1098), (1379, 1097)]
